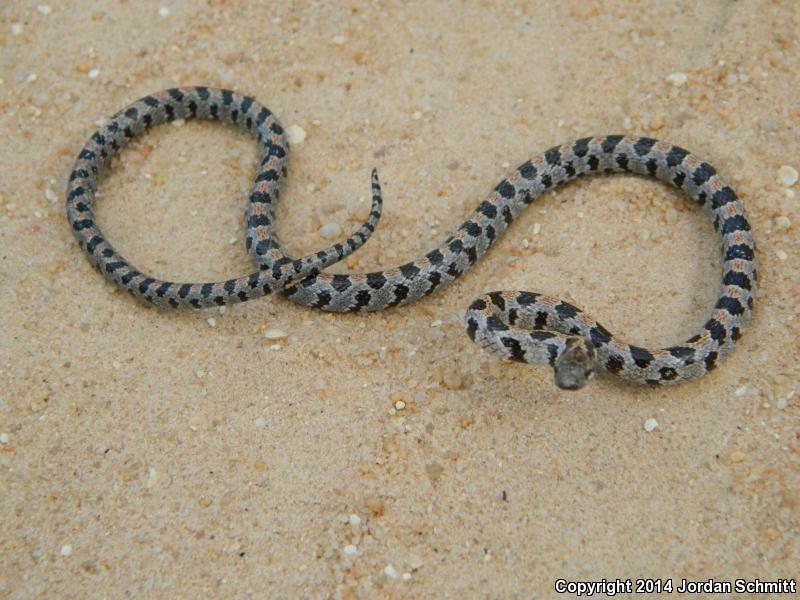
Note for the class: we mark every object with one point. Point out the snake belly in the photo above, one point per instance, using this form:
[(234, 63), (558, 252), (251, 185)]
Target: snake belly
[(275, 267), (535, 328)]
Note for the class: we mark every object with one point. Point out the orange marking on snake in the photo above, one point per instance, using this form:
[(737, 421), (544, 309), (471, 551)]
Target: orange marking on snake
[(715, 183)]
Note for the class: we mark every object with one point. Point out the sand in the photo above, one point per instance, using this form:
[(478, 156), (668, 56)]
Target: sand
[(159, 454)]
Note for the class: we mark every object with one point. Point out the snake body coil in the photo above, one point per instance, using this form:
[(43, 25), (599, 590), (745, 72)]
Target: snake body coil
[(275, 267), (522, 326)]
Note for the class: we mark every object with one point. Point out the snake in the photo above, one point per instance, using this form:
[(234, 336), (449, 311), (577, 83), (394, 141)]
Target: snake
[(275, 267), (521, 326)]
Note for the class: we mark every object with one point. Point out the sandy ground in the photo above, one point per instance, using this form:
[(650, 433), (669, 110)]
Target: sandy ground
[(161, 454)]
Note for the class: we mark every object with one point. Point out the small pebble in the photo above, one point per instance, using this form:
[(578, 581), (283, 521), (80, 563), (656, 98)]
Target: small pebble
[(677, 79), (330, 231), (789, 193), (339, 40), (780, 404), (16, 28), (657, 122), (782, 222), (416, 116), (66, 550), (415, 562), (781, 254), (44, 9), (650, 425), (390, 572), (50, 195), (295, 134), (537, 227), (627, 123), (261, 422), (406, 576), (31, 78), (399, 405), (275, 347), (3, 438), (211, 321), (275, 334), (787, 175), (163, 11), (354, 520), (737, 456), (350, 550), (93, 73), (436, 323)]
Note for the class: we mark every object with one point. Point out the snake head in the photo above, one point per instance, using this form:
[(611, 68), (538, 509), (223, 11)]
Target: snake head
[(575, 366)]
